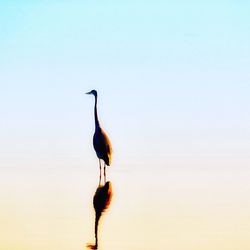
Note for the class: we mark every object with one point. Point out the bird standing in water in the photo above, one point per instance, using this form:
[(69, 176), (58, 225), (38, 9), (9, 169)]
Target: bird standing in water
[(101, 141)]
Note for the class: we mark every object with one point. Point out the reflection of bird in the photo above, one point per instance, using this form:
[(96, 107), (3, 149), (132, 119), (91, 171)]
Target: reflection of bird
[(101, 202), (101, 141)]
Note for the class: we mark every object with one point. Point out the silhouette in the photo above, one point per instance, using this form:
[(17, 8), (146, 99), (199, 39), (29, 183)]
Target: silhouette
[(101, 142), (101, 202)]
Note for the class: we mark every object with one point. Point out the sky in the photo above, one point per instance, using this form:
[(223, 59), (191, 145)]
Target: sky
[(173, 88)]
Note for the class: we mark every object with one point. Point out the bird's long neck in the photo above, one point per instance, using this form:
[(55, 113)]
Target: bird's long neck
[(97, 125)]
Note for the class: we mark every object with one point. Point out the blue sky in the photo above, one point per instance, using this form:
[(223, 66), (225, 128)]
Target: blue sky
[(165, 72)]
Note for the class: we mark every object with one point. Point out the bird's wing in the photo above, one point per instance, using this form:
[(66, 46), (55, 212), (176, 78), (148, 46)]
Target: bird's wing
[(108, 144)]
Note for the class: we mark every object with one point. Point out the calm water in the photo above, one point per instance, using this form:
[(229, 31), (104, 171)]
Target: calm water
[(171, 208)]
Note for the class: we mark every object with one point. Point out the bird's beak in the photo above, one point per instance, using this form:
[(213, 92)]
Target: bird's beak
[(88, 93)]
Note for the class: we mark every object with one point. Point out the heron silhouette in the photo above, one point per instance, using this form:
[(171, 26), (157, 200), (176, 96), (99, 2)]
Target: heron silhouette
[(101, 142)]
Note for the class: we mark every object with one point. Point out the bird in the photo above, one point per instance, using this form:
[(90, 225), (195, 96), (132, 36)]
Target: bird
[(101, 142)]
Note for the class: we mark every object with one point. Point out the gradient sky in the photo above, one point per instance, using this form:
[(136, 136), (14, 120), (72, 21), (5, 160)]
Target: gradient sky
[(173, 82)]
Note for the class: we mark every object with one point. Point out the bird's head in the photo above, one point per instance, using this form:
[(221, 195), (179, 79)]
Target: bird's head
[(92, 92)]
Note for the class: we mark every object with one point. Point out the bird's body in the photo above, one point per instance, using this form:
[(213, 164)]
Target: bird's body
[(102, 146), (101, 142)]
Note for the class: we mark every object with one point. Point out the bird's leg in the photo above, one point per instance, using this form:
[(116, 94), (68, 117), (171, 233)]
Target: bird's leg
[(100, 176), (104, 173)]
